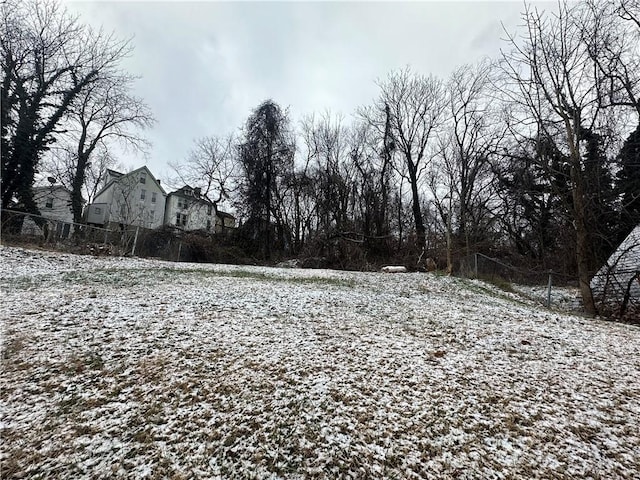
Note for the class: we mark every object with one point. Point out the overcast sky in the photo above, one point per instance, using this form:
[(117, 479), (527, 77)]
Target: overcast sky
[(205, 65)]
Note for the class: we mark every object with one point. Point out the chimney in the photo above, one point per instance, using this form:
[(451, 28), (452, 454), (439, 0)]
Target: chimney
[(158, 180)]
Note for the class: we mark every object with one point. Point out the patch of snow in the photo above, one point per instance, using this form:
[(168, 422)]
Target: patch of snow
[(133, 368)]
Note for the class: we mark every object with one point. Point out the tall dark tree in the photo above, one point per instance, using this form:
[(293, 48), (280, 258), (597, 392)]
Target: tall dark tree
[(266, 155), (103, 113), (550, 73), (47, 59), (602, 212), (533, 189), (414, 106), (628, 181), (611, 31)]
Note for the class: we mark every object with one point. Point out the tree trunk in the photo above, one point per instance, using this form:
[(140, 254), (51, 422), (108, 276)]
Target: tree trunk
[(582, 242), (417, 213), (76, 188), (449, 242), (267, 237)]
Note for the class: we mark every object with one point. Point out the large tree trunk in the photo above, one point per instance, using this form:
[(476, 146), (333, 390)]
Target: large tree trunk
[(267, 237), (417, 212), (583, 250), (76, 188)]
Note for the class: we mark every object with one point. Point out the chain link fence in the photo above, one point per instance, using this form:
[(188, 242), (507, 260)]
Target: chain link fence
[(498, 272), (167, 243), (616, 287), (25, 228), (481, 266)]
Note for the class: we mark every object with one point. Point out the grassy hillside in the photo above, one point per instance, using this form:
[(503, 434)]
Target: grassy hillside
[(130, 368)]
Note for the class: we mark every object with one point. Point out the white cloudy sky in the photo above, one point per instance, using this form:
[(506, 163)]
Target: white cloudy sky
[(206, 65)]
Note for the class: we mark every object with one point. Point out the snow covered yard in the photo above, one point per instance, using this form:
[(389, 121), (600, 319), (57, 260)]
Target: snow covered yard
[(131, 368)]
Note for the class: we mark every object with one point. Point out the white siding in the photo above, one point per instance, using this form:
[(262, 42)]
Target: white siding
[(611, 282), (197, 213), (127, 204), (54, 203), (97, 213)]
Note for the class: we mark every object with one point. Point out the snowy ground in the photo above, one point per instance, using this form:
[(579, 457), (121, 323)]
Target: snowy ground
[(129, 368), (566, 299)]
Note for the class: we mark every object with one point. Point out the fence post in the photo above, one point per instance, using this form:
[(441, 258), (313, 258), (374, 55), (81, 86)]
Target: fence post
[(549, 290), (475, 266), (135, 241)]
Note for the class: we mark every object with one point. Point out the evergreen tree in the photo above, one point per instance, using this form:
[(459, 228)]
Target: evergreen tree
[(628, 182)]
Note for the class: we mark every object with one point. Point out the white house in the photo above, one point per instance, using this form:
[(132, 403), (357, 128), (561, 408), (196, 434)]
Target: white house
[(135, 198), (620, 276), (224, 221), (54, 203), (188, 209)]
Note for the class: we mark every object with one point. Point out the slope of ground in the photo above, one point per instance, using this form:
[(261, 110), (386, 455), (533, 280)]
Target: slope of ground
[(131, 368)]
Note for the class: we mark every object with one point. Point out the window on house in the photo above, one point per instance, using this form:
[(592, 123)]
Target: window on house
[(153, 197), (97, 210), (181, 220), (49, 203), (209, 209), (143, 178), (208, 224), (143, 194)]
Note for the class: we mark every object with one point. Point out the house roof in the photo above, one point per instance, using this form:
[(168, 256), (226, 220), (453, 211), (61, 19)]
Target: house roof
[(222, 214), (620, 268), (119, 175), (181, 192), (46, 189), (113, 173)]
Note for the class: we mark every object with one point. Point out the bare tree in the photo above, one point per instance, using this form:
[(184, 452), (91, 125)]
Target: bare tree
[(326, 141), (416, 107), (550, 72), (61, 164), (475, 135), (213, 166), (48, 59), (371, 154), (611, 33), (105, 112)]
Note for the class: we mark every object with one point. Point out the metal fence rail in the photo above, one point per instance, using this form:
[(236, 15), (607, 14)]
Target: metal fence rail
[(616, 290), (478, 265)]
